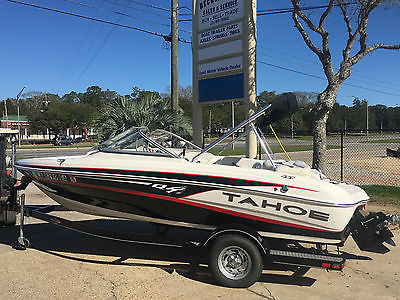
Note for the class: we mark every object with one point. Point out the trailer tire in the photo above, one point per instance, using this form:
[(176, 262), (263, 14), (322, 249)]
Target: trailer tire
[(235, 261)]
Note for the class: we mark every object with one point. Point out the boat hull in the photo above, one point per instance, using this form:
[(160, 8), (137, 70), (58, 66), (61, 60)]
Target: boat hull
[(205, 202)]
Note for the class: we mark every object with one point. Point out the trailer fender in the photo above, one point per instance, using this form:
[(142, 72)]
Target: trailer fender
[(241, 230)]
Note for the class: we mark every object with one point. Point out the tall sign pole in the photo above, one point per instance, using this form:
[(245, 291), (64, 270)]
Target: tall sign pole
[(174, 59), (197, 107), (250, 33), (224, 66)]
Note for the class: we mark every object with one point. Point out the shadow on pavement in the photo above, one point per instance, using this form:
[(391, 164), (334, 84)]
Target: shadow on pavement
[(187, 261)]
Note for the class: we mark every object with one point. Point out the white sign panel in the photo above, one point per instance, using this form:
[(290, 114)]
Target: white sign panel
[(218, 12), (223, 65), (220, 33), (220, 50)]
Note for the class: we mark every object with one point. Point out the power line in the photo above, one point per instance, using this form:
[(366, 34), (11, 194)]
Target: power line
[(95, 19), (149, 5), (356, 73), (319, 77), (95, 56), (287, 60), (277, 11), (88, 51), (122, 14), (185, 7), (138, 9), (287, 54), (75, 55), (319, 69)]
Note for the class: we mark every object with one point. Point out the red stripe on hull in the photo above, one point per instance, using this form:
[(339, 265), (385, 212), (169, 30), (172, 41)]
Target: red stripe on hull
[(189, 174), (187, 202)]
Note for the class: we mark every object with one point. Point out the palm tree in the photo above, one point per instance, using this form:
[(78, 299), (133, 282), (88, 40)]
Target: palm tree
[(149, 110)]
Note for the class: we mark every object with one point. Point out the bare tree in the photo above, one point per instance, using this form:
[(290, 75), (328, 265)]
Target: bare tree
[(355, 16)]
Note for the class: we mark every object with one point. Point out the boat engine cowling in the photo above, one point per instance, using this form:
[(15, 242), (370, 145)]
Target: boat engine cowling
[(371, 231)]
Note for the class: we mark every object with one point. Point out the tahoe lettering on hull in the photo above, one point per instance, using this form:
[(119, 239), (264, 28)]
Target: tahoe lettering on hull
[(278, 206)]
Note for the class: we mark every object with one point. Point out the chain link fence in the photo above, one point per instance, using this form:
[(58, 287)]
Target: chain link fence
[(352, 156)]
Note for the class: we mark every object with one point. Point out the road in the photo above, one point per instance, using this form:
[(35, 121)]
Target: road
[(30, 153)]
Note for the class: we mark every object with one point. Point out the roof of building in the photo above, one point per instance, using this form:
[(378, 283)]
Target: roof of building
[(15, 118)]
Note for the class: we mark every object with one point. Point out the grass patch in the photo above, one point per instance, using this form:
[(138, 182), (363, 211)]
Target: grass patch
[(383, 193), (310, 137), (275, 149)]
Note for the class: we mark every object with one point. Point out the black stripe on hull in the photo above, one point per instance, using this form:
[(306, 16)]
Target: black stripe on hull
[(122, 198), (205, 179)]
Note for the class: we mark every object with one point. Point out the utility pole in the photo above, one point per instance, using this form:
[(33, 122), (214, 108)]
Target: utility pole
[(174, 60)]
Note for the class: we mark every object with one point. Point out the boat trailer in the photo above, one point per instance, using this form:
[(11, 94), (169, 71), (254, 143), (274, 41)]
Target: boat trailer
[(272, 251), (295, 255)]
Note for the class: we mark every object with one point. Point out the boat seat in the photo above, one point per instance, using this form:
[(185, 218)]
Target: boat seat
[(206, 158), (294, 167), (242, 162), (249, 163), (294, 164), (267, 165), (228, 161)]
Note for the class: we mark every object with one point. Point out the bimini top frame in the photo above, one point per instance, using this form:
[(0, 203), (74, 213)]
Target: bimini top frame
[(244, 123)]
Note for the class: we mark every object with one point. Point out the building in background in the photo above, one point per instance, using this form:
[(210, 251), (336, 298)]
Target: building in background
[(12, 122)]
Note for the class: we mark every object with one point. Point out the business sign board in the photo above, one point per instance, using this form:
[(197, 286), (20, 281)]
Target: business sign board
[(222, 88), (213, 13), (218, 49), (220, 66), (220, 34), (224, 46)]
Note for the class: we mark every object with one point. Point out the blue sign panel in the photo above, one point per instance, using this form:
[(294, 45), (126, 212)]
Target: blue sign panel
[(221, 88)]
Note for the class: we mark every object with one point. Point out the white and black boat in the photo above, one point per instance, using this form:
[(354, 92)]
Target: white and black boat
[(162, 178)]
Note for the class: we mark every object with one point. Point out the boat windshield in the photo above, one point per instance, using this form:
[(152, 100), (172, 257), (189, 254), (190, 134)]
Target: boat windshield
[(171, 141), (118, 137), (165, 143), (138, 140)]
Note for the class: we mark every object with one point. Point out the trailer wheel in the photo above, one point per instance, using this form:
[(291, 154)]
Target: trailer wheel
[(235, 261)]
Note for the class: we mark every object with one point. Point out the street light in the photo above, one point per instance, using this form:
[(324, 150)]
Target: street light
[(19, 126)]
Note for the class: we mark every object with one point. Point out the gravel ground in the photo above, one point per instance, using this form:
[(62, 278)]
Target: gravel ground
[(62, 264)]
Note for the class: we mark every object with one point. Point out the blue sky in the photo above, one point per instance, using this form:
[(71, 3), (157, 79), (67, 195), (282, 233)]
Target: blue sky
[(55, 53)]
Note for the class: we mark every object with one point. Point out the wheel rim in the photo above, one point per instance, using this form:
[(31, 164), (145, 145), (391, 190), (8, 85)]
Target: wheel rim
[(234, 262)]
